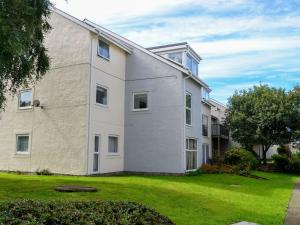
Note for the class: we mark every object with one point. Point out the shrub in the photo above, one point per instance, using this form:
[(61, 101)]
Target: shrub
[(18, 172), (284, 163), (217, 168), (44, 172), (281, 162), (294, 165), (241, 157), (241, 169), (296, 155), (79, 213), (283, 150), (224, 168), (207, 168)]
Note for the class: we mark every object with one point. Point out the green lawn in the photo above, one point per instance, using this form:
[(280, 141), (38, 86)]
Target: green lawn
[(206, 199)]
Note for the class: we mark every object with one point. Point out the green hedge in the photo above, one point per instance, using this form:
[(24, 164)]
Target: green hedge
[(240, 156), (29, 212), (289, 164)]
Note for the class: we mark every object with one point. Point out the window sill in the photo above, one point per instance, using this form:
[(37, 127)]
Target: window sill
[(25, 109), (101, 105), (192, 170), (113, 154), (140, 110), (22, 155), (103, 57), (188, 125)]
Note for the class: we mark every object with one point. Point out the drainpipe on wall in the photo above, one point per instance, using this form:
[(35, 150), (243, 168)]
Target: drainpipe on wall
[(89, 110)]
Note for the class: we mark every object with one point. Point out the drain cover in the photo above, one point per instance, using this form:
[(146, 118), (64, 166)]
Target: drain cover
[(75, 188)]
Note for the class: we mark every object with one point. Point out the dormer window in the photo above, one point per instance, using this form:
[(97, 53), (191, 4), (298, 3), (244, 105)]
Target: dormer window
[(176, 56), (180, 53), (192, 64), (205, 94)]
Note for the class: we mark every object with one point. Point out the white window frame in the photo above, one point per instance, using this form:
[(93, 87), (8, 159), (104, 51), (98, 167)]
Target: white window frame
[(118, 145), (193, 63), (98, 50), (181, 53), (17, 135), (187, 108), (193, 150), (107, 97), (19, 99), (205, 94), (205, 147), (96, 153), (139, 93), (203, 116)]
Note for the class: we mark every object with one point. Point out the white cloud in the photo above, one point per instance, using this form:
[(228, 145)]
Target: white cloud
[(148, 23), (168, 29), (249, 64), (120, 10), (239, 46)]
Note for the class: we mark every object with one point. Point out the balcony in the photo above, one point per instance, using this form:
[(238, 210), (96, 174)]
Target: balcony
[(218, 130)]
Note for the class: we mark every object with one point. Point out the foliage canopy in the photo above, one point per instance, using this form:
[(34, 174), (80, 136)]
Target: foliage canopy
[(23, 57), (264, 116)]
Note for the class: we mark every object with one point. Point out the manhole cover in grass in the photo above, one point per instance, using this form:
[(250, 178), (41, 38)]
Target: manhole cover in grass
[(75, 188)]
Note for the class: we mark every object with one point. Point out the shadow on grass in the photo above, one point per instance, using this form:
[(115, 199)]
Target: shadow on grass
[(229, 182)]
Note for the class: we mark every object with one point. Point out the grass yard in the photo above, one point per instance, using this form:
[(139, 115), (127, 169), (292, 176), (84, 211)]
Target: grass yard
[(206, 199)]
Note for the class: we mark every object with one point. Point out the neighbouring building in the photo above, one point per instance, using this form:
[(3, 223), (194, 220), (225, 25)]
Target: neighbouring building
[(293, 147), (109, 105), (221, 140)]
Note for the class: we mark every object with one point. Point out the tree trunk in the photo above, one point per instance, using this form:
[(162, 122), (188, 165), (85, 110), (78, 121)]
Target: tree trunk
[(249, 148), (265, 149), (264, 157)]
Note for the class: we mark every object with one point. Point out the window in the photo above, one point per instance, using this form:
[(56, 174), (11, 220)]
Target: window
[(96, 154), (188, 109), (25, 99), (140, 101), (191, 153), (103, 50), (101, 95), (192, 65), (205, 94), (189, 62), (112, 144), (205, 153), (23, 143), (177, 57), (205, 125)]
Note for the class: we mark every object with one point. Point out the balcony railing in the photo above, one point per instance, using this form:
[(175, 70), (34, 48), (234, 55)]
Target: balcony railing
[(219, 130)]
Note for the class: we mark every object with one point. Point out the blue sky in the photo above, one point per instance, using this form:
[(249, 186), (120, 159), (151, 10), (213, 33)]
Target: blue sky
[(242, 42)]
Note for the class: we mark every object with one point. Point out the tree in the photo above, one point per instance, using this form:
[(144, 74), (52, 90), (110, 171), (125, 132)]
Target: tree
[(23, 57), (294, 96), (263, 116)]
